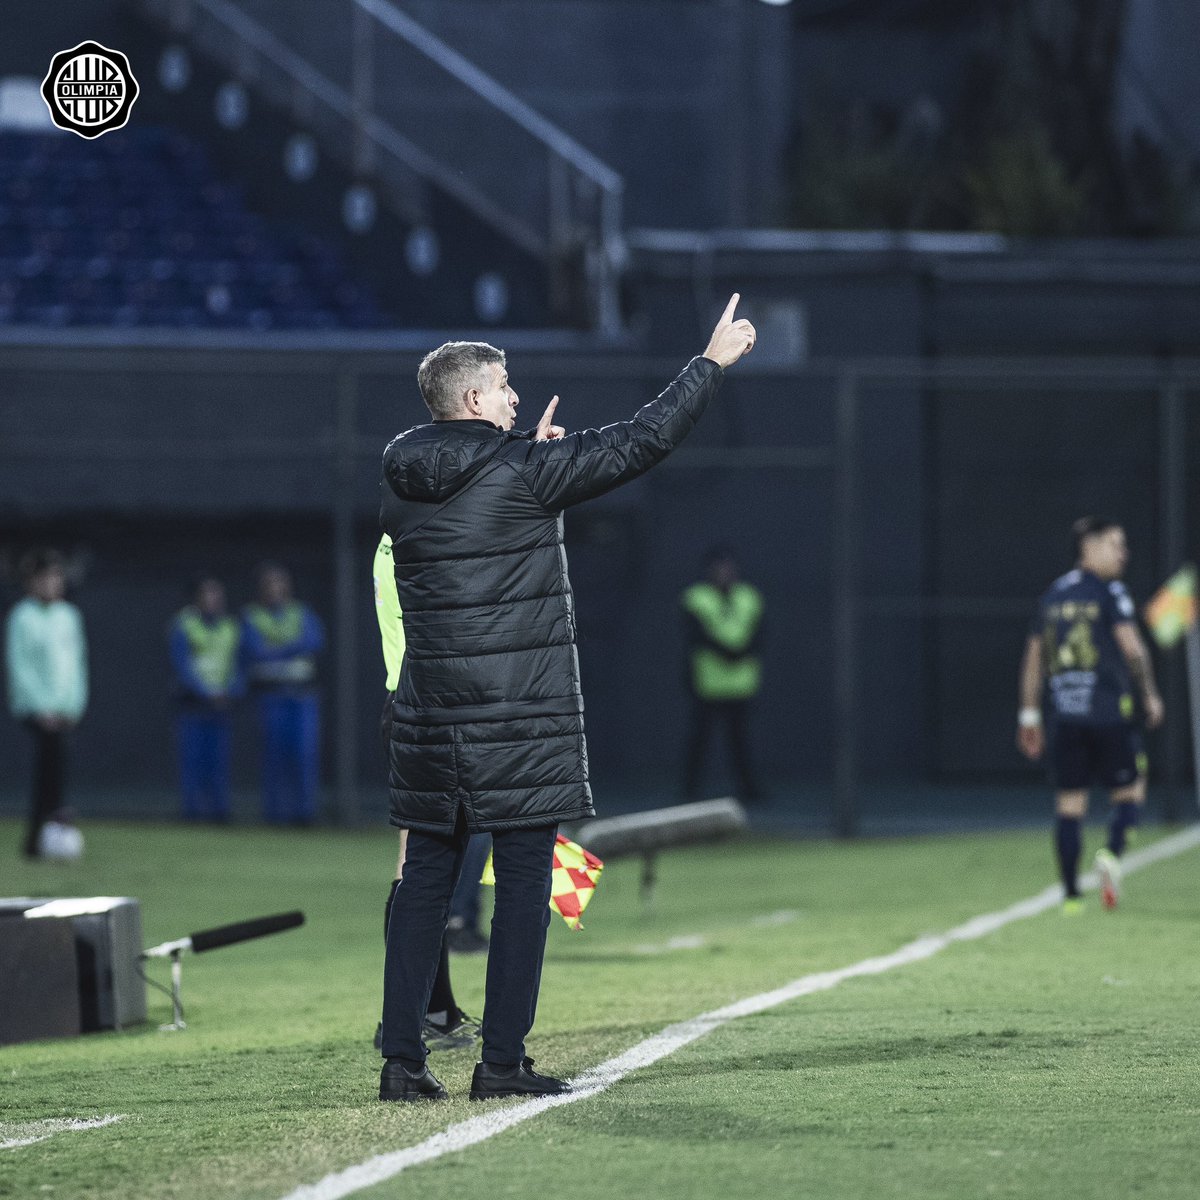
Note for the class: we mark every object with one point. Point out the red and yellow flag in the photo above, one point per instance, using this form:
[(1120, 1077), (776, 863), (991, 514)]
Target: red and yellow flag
[(576, 873), (1173, 607)]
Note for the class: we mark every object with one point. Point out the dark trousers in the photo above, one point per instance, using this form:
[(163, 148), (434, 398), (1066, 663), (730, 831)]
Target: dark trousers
[(49, 779), (706, 716), (465, 903), (203, 738), (291, 732), (524, 862)]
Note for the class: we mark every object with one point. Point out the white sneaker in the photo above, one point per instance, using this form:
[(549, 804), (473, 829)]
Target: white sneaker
[(1108, 866)]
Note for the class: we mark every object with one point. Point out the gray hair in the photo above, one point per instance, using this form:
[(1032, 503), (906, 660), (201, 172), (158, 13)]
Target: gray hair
[(447, 372)]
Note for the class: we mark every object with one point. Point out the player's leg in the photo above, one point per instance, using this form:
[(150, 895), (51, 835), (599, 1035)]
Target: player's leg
[(1071, 767), (1125, 762), (1070, 807)]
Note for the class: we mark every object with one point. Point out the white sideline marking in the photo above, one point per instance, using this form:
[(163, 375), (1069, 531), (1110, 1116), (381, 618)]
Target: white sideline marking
[(785, 916), (599, 1078), (686, 941), (40, 1131)]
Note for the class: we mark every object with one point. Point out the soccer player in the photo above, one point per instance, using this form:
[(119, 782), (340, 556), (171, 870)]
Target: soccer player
[(1084, 643)]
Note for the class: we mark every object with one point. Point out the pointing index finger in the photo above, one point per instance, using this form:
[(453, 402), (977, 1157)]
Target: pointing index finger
[(727, 315), (549, 413)]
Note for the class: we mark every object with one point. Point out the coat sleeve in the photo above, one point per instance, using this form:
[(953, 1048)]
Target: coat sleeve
[(583, 465)]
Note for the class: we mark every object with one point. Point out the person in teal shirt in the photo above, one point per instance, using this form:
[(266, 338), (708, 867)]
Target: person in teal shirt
[(203, 642), (46, 659)]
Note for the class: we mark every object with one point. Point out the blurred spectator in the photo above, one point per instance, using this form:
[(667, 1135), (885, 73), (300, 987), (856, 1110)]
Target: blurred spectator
[(724, 624), (46, 657), (280, 640), (204, 643)]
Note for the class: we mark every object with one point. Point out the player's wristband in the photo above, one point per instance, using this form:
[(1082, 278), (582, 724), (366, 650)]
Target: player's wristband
[(1030, 718)]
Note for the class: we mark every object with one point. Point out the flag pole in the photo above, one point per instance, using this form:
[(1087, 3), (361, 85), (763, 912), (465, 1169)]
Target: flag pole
[(1192, 638)]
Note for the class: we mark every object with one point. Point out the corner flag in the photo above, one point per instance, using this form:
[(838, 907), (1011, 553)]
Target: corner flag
[(576, 873), (1172, 609)]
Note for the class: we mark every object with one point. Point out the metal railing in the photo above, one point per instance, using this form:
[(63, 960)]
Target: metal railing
[(401, 106)]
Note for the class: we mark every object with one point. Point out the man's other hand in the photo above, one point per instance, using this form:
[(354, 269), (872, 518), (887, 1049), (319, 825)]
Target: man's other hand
[(546, 432), (731, 339), (1155, 710)]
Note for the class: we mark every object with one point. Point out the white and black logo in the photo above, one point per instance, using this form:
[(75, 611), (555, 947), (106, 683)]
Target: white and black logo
[(90, 89)]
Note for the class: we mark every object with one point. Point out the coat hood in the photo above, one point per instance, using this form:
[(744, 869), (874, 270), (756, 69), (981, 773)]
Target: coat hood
[(430, 463)]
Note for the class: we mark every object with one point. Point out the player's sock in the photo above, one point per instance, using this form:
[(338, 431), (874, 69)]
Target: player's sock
[(387, 908), (1125, 817), (441, 999), (1068, 843)]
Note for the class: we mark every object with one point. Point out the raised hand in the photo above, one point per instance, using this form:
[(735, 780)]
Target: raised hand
[(546, 432), (731, 339)]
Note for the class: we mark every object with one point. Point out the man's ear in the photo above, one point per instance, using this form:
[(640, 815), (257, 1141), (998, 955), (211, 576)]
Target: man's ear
[(471, 400)]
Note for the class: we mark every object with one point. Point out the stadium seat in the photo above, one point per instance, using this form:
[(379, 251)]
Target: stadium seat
[(140, 231)]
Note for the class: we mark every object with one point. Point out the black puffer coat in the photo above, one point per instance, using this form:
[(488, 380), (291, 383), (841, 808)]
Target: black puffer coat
[(488, 715)]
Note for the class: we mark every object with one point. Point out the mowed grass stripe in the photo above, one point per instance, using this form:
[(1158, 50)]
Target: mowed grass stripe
[(465, 1134)]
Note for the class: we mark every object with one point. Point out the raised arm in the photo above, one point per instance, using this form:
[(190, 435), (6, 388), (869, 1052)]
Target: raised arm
[(565, 470)]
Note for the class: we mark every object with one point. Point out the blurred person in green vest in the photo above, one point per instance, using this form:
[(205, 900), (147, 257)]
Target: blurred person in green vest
[(46, 658), (447, 1027), (280, 641), (723, 616), (203, 642)]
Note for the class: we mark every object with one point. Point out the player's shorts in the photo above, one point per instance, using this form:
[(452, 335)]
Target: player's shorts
[(1084, 756)]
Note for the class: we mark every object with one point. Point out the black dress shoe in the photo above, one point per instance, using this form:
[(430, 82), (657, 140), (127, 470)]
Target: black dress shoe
[(397, 1082), (491, 1082)]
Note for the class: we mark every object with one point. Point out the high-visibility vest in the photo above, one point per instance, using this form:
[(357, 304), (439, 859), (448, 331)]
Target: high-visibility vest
[(730, 620), (213, 646), (387, 610), (280, 627)]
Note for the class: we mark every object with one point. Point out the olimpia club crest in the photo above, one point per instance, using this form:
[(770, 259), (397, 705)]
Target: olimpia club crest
[(90, 89)]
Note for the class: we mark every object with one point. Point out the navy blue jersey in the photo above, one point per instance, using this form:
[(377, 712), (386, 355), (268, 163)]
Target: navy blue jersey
[(1087, 678)]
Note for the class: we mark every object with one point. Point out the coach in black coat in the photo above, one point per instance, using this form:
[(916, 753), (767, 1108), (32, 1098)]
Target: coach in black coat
[(487, 730)]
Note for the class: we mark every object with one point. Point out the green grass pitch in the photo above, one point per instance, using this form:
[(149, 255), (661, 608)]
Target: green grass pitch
[(1056, 1058)]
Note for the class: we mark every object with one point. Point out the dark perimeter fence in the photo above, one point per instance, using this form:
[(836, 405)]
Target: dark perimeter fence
[(900, 517)]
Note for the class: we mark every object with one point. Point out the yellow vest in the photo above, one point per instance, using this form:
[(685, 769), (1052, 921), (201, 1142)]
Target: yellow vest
[(730, 621), (213, 647)]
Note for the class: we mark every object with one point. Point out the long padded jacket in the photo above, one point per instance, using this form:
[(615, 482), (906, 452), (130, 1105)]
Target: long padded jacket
[(488, 715)]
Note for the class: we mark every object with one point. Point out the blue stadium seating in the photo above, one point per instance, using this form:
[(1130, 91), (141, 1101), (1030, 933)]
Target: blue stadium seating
[(137, 230)]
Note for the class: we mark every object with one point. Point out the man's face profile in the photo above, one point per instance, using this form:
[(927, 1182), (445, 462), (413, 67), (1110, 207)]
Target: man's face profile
[(498, 403)]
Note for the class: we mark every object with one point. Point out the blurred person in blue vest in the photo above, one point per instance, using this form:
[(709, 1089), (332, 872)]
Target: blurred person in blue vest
[(203, 643), (723, 616), (280, 641), (46, 657)]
